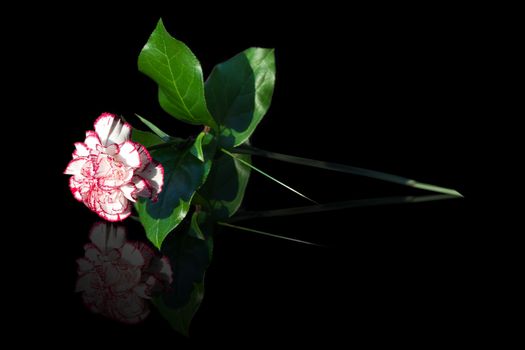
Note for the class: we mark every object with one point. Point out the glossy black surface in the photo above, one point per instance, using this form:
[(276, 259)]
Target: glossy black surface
[(372, 88)]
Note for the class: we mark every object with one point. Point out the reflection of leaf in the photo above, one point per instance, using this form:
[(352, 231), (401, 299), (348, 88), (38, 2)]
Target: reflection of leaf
[(183, 175), (239, 92), (178, 73), (180, 319), (224, 189), (189, 258), (201, 225)]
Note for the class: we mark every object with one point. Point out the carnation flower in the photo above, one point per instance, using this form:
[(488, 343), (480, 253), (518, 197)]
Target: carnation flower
[(109, 170), (117, 277)]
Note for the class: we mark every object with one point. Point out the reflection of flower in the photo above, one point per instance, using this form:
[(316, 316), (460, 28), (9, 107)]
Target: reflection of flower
[(117, 276), (109, 170)]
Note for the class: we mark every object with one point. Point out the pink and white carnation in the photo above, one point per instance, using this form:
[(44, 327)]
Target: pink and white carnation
[(110, 171), (117, 278)]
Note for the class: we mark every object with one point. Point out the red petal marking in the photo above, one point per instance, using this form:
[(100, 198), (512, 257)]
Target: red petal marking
[(114, 217), (92, 140), (74, 186), (103, 168), (111, 129), (145, 157), (112, 150), (75, 166), (129, 191), (81, 150), (154, 175), (129, 154)]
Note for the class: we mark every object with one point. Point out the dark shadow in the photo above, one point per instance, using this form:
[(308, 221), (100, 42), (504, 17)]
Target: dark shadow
[(223, 186), (189, 257), (230, 92)]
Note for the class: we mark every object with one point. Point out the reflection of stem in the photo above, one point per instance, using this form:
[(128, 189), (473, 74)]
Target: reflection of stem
[(266, 233), (265, 174), (338, 206), (347, 169)]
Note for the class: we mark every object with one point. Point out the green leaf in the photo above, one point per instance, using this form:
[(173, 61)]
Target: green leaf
[(189, 258), (224, 189), (245, 149), (183, 175), (178, 73), (239, 93), (196, 150), (165, 137), (145, 138)]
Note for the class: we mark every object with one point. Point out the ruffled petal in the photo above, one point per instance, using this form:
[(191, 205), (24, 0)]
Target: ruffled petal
[(129, 191), (109, 205), (106, 237), (92, 253), (111, 150), (103, 168), (154, 176), (81, 150), (115, 217), (142, 187), (76, 188), (75, 166), (92, 141), (145, 157), (142, 290), (129, 154), (111, 129), (132, 255), (84, 265)]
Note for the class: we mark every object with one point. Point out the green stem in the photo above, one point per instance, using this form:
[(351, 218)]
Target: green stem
[(266, 233), (347, 169), (268, 176)]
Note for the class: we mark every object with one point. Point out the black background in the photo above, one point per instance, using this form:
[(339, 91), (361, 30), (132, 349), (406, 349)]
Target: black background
[(389, 89)]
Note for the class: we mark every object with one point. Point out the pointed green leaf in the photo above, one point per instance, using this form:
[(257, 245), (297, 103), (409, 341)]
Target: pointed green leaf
[(183, 175), (145, 138), (165, 137), (246, 149), (239, 92), (196, 150), (224, 189), (178, 73)]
